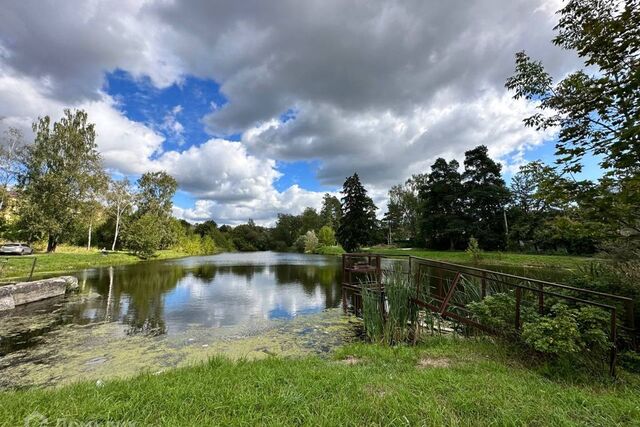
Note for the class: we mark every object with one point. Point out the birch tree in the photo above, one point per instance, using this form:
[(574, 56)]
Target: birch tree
[(120, 199)]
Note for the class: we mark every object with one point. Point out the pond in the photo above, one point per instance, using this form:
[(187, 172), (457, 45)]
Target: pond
[(158, 314), (152, 316)]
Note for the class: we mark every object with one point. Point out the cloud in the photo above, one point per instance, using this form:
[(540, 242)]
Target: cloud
[(377, 87)]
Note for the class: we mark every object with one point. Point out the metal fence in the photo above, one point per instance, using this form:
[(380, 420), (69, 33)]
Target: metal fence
[(447, 289)]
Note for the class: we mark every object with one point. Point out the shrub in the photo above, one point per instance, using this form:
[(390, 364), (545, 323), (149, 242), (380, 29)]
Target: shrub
[(310, 242), (330, 250), (498, 312), (326, 236), (566, 331), (473, 250)]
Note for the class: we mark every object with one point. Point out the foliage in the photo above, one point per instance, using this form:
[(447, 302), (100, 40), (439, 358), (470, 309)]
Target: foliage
[(250, 237), (401, 322), (155, 191), (144, 236), (474, 251), (330, 250), (120, 201), (485, 195), (326, 236), (497, 311), (63, 161), (567, 331), (331, 211), (442, 218), (402, 217), (358, 215), (372, 314), (310, 242)]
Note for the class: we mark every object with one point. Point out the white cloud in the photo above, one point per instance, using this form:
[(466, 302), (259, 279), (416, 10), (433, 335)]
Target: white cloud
[(381, 88)]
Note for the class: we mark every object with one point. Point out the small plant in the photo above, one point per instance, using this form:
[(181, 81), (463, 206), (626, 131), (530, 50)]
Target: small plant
[(474, 251)]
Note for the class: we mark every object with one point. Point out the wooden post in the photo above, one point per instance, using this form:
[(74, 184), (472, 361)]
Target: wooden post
[(518, 300)]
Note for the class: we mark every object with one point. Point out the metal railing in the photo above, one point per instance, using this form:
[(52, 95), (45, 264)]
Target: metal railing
[(447, 289), (6, 263)]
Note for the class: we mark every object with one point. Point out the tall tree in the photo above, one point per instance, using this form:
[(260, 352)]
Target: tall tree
[(331, 211), (486, 196), (403, 209), (120, 200), (155, 193), (61, 168), (358, 215), (154, 201), (442, 223), (597, 109)]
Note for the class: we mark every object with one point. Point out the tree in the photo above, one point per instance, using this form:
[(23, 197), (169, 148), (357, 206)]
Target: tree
[(331, 211), (120, 200), (596, 109), (310, 220), (442, 221), (155, 193), (143, 235), (61, 168), (326, 236), (403, 209), (154, 198), (11, 153), (358, 215), (485, 198), (287, 229)]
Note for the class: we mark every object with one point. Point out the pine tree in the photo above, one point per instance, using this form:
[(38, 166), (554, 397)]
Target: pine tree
[(358, 215)]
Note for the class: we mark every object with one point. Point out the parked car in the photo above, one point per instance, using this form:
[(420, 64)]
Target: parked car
[(16, 249)]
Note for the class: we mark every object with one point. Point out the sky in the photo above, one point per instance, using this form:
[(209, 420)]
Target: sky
[(261, 107)]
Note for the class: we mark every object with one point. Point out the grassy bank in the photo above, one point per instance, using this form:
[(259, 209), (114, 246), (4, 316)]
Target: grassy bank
[(68, 258), (442, 382), (493, 258)]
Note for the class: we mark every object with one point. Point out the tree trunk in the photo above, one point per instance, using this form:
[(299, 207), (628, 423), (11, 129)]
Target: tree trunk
[(115, 237), (89, 240), (52, 243)]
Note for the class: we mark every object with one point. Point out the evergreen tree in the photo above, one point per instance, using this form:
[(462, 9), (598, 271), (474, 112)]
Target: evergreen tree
[(442, 223), (358, 215), (486, 196)]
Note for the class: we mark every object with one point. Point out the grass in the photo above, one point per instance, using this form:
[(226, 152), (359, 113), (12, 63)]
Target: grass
[(71, 258), (493, 258), (444, 381)]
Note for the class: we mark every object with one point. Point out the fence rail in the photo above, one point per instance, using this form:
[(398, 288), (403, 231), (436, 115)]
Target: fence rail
[(446, 289)]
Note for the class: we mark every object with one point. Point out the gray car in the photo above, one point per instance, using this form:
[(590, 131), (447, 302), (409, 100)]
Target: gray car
[(16, 249)]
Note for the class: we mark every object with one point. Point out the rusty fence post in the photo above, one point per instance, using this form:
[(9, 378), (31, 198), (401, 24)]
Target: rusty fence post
[(614, 350), (518, 301), (541, 299)]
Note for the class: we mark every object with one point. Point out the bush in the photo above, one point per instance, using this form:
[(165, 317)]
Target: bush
[(473, 249), (330, 250), (567, 331), (498, 312), (326, 236), (310, 242)]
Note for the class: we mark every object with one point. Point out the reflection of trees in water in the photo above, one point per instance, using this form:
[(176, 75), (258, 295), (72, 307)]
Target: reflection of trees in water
[(310, 276), (135, 294)]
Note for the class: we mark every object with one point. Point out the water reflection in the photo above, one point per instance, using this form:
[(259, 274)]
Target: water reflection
[(168, 297)]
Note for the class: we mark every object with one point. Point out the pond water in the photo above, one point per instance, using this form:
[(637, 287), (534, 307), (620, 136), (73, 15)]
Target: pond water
[(155, 315), (177, 303)]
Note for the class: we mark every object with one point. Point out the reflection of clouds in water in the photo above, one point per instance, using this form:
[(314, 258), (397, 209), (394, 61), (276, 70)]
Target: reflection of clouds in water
[(231, 299)]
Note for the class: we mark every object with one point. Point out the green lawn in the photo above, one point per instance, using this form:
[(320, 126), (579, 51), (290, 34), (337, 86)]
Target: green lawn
[(493, 258), (67, 259), (444, 381)]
